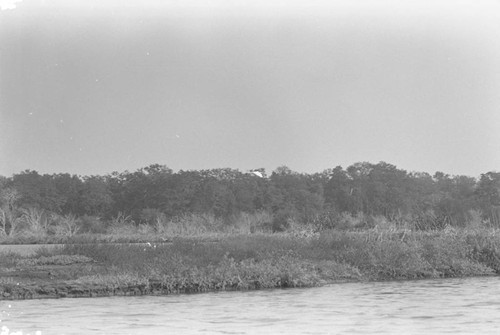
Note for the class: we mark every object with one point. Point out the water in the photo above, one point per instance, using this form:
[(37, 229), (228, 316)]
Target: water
[(454, 306)]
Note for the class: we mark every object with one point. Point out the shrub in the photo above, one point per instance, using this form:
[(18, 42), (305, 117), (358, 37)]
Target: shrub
[(65, 225), (450, 256), (121, 219), (475, 221), (191, 225), (485, 248), (429, 220), (34, 221), (282, 220), (325, 220), (258, 222), (381, 223), (122, 230), (151, 216), (91, 224), (349, 221), (9, 222)]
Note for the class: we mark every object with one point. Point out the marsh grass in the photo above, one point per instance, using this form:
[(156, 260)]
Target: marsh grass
[(266, 261), (113, 281), (9, 259), (53, 260), (189, 225), (214, 257)]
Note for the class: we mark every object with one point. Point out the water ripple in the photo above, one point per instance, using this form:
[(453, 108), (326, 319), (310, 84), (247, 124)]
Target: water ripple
[(458, 306)]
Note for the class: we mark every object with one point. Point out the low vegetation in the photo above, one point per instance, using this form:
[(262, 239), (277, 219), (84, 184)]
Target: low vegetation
[(243, 262)]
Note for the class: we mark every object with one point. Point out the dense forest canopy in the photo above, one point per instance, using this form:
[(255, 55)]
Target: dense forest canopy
[(372, 189)]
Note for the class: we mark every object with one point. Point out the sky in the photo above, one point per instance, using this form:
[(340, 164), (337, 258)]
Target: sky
[(91, 87)]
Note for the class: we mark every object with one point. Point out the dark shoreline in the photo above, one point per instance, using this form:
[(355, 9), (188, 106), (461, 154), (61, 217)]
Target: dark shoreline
[(67, 290)]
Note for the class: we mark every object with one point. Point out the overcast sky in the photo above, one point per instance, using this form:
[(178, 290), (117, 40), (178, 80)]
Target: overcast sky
[(91, 87)]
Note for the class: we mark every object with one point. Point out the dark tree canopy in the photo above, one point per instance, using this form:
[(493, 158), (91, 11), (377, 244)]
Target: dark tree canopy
[(374, 189)]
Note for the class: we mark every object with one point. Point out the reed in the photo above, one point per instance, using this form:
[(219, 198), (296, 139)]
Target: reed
[(251, 261), (255, 261)]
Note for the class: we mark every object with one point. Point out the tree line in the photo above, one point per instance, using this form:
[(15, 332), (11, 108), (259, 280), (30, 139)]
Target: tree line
[(372, 189)]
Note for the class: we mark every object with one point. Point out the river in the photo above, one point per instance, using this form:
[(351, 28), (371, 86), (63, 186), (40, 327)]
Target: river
[(454, 306)]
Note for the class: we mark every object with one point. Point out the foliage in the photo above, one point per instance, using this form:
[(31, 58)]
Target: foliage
[(267, 261), (362, 196), (91, 224), (9, 211), (35, 221), (66, 225), (53, 260)]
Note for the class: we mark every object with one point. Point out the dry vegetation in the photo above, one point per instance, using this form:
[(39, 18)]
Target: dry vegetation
[(224, 261)]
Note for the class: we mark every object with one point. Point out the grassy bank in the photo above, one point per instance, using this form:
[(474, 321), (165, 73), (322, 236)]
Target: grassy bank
[(246, 262)]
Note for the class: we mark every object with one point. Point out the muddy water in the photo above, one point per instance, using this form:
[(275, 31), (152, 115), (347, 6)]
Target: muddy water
[(454, 306)]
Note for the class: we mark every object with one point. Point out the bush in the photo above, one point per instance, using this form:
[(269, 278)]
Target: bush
[(429, 220), (258, 222), (91, 224), (450, 256), (348, 221), (282, 220), (34, 222), (191, 225), (151, 216), (475, 220), (485, 248), (64, 225)]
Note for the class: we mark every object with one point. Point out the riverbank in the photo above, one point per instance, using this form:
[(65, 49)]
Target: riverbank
[(247, 262)]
